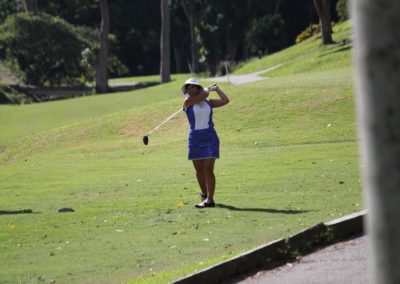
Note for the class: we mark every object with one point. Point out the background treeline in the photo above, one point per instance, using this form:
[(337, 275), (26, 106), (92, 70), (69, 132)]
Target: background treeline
[(223, 30)]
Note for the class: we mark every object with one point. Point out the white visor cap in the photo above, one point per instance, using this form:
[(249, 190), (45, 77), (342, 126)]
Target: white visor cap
[(191, 81)]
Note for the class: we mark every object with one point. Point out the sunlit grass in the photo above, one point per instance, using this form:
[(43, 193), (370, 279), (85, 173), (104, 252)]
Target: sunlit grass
[(307, 56)]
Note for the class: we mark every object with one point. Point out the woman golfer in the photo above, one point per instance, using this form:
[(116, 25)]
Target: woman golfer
[(203, 141)]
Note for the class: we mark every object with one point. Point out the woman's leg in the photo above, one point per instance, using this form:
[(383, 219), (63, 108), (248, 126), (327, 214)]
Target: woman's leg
[(199, 166), (209, 178)]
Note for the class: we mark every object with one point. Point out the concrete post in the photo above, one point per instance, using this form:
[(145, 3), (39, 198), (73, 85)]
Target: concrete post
[(377, 57)]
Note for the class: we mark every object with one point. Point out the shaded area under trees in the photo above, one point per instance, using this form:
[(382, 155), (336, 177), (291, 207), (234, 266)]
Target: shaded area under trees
[(208, 33)]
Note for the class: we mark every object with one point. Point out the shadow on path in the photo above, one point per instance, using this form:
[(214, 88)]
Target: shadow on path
[(14, 212), (266, 210)]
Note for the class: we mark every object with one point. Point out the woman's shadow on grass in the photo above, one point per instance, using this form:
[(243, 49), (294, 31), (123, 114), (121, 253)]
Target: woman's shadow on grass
[(266, 210)]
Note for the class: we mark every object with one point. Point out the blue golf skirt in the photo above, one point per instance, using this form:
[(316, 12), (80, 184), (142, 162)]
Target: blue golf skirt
[(203, 144)]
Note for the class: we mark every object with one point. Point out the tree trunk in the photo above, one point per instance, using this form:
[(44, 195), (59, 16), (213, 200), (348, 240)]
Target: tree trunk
[(324, 13), (377, 57), (178, 62), (212, 64), (231, 45), (277, 7), (101, 68), (30, 5), (165, 69), (190, 12)]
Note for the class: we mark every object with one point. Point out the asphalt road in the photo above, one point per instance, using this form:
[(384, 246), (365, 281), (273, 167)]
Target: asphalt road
[(344, 262)]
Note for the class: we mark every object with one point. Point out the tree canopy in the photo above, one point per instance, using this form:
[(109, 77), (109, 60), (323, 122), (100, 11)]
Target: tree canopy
[(218, 30)]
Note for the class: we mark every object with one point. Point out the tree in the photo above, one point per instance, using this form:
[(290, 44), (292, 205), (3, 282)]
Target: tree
[(377, 57), (8, 8), (180, 38), (267, 34), (236, 21), (323, 9), (189, 6), (30, 5), (342, 10), (101, 74), (205, 32), (43, 49), (165, 42)]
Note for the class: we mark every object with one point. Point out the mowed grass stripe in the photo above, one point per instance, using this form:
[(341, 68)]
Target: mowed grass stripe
[(129, 214), (19, 121)]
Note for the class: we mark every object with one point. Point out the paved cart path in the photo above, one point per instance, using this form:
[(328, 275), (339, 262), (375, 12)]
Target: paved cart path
[(244, 79), (344, 262)]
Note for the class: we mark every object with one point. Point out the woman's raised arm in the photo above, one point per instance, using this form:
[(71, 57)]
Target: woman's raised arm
[(196, 99), (222, 101)]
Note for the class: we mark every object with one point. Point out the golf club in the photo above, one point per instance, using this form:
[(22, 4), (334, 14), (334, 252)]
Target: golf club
[(146, 137)]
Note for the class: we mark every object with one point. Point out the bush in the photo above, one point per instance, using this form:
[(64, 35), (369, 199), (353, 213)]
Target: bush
[(47, 50), (115, 67), (8, 7), (341, 8), (267, 34), (311, 30)]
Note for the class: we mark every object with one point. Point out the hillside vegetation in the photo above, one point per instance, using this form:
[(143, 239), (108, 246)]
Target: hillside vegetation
[(289, 160)]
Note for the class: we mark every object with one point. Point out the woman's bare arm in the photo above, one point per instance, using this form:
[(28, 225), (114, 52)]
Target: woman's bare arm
[(196, 99), (222, 101)]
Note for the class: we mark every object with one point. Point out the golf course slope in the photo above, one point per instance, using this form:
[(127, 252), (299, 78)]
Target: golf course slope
[(289, 160)]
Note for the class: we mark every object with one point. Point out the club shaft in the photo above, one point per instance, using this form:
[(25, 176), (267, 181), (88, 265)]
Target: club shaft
[(165, 121)]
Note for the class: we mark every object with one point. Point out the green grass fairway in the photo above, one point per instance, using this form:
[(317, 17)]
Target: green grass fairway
[(289, 160)]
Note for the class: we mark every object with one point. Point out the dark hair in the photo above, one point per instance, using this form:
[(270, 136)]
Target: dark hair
[(197, 86)]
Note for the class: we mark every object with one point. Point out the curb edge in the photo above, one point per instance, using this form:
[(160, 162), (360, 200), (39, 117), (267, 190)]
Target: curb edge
[(281, 249)]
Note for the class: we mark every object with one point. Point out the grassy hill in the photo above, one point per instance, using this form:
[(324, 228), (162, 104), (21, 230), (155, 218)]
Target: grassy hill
[(309, 56), (289, 160)]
